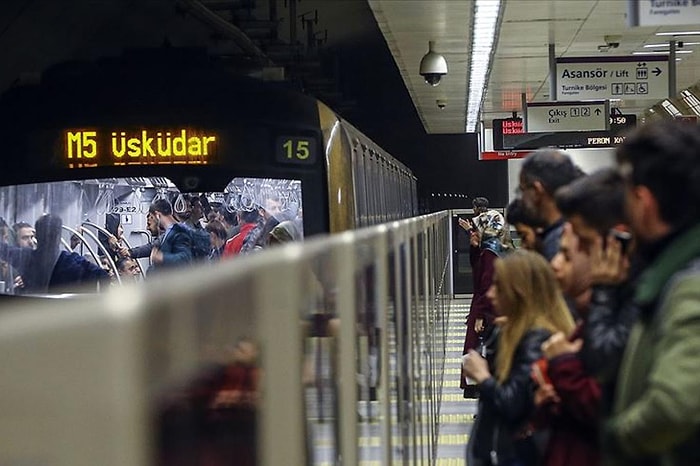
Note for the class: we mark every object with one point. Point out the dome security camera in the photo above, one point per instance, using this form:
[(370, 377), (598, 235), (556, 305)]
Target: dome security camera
[(433, 66)]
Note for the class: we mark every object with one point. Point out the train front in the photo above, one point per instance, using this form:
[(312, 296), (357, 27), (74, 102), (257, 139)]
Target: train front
[(105, 163)]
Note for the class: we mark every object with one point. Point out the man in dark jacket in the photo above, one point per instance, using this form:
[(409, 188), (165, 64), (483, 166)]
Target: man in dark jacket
[(543, 172), (176, 242)]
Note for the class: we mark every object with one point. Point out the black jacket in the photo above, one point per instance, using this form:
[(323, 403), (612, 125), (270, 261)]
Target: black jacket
[(504, 409), (176, 246), (611, 314)]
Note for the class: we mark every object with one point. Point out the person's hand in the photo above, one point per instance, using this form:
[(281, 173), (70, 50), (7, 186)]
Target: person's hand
[(558, 344), (466, 226), (156, 256), (609, 266), (474, 238), (475, 367), (124, 252), (479, 325), (546, 394), (19, 281)]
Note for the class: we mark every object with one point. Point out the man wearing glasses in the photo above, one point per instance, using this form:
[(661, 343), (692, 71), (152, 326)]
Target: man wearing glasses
[(543, 172)]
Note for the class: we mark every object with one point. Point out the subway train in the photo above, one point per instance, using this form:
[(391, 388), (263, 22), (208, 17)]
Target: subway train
[(94, 143)]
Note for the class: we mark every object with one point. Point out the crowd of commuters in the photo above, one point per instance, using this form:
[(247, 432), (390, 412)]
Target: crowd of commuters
[(595, 352), (35, 259)]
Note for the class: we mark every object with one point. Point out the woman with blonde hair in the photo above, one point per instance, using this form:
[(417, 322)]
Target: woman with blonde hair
[(526, 295)]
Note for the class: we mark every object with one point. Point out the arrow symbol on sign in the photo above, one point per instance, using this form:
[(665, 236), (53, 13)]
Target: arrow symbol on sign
[(657, 71), (597, 111)]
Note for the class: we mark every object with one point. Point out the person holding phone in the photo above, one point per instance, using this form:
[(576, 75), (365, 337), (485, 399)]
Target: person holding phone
[(485, 240), (595, 207), (531, 307)]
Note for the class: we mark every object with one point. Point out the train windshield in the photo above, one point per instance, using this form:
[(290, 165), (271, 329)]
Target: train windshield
[(60, 238)]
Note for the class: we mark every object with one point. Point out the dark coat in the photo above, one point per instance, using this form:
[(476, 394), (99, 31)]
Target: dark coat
[(505, 409), (573, 423), (482, 261), (72, 272), (176, 246), (611, 315), (550, 238)]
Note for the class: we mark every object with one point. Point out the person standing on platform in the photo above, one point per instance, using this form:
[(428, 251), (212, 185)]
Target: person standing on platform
[(486, 236), (543, 172), (656, 410), (531, 308)]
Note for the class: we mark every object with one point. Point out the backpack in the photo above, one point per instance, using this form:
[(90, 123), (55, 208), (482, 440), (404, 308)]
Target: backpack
[(201, 243)]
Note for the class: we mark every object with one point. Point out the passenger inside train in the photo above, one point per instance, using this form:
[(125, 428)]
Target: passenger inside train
[(128, 228)]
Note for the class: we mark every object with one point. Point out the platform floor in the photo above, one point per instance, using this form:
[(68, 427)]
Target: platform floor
[(456, 413), (455, 419)]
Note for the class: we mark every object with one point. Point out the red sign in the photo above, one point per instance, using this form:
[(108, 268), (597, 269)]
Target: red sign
[(512, 126), (503, 154)]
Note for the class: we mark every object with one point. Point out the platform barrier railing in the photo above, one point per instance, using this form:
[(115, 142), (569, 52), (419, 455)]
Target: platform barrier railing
[(322, 353)]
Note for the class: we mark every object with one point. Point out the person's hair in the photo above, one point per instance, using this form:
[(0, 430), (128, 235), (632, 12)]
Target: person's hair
[(206, 207), (664, 156), (530, 297), (193, 199), (517, 213), (249, 216), (19, 225), (599, 198), (229, 217), (121, 263), (48, 234), (161, 205), (551, 167), (217, 228), (480, 203)]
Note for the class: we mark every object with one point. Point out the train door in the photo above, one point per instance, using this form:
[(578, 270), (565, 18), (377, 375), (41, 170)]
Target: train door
[(461, 268)]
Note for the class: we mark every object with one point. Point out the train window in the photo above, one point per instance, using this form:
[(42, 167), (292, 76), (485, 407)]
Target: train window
[(84, 235)]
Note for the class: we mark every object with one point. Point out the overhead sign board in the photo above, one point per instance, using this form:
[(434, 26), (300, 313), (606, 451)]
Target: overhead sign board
[(505, 126), (562, 140), (663, 12), (567, 116), (503, 154), (638, 77)]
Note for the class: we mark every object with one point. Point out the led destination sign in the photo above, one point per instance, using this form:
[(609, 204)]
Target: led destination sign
[(92, 148), (563, 140)]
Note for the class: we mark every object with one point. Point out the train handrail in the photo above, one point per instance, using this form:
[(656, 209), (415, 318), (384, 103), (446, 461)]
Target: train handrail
[(108, 234), (65, 244), (87, 245), (107, 253)]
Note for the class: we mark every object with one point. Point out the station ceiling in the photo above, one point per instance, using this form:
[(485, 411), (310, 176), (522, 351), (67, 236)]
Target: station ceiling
[(521, 62), (35, 34)]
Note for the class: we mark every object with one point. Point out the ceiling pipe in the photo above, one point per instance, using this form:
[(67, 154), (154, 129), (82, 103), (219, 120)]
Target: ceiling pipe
[(204, 14)]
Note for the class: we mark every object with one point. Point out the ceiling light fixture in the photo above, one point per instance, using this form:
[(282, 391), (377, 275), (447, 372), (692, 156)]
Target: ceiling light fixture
[(660, 52), (484, 31), (679, 33), (661, 46)]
